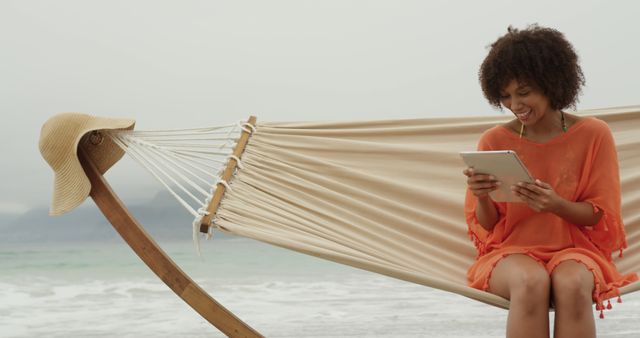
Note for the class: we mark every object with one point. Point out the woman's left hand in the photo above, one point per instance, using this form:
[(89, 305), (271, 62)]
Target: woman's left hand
[(539, 195)]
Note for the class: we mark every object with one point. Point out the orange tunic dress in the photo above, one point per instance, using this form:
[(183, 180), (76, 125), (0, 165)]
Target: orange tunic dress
[(582, 166)]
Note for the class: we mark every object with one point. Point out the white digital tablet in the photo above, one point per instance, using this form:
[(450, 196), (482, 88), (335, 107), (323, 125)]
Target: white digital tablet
[(504, 165)]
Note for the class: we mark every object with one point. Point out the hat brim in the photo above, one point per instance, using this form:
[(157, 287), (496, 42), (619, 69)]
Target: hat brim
[(60, 138)]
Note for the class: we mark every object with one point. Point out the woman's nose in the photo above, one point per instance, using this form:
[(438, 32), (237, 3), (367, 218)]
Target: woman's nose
[(515, 104)]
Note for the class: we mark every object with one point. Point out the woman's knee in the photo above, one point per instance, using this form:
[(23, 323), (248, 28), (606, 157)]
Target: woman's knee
[(572, 283), (532, 283), (530, 290), (522, 277)]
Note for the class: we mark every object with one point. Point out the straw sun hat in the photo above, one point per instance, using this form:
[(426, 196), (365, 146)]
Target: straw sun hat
[(59, 140)]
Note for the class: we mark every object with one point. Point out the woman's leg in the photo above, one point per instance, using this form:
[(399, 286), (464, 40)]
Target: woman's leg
[(526, 284), (572, 289)]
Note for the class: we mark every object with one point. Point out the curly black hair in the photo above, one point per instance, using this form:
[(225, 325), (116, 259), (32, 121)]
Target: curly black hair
[(538, 56)]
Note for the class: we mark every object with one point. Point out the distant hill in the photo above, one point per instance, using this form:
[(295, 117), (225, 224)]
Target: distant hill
[(162, 217)]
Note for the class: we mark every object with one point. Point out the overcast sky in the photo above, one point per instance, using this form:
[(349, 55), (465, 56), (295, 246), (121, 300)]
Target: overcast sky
[(204, 63)]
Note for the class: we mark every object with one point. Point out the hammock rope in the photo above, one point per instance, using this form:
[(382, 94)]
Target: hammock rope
[(187, 162)]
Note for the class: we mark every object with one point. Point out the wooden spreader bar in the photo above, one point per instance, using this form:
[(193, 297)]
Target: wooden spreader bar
[(212, 208)]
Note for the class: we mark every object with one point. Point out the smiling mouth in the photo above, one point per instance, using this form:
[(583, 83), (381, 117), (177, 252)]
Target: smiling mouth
[(523, 116)]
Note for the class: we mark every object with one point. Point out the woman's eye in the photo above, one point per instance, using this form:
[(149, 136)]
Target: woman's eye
[(524, 93)]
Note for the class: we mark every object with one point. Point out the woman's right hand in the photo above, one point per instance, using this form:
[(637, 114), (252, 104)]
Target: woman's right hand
[(480, 184)]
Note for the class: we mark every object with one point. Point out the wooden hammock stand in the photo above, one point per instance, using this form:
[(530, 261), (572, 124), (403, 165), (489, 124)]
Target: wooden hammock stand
[(155, 258)]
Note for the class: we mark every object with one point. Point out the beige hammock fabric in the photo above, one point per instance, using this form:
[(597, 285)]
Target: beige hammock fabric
[(387, 196)]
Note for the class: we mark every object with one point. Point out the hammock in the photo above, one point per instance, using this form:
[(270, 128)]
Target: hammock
[(384, 196)]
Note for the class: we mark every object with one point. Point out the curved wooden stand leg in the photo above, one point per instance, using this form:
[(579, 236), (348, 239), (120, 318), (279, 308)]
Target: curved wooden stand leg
[(157, 260)]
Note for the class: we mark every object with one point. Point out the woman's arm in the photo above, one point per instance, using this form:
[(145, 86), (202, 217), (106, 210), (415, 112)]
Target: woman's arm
[(541, 197), (579, 213), (486, 213), (481, 185)]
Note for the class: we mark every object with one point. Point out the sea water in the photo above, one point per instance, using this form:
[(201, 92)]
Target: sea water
[(104, 290)]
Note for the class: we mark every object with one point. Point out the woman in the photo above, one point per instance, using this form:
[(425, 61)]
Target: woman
[(554, 248)]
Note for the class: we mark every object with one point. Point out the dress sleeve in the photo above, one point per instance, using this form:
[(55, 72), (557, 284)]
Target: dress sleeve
[(480, 236), (602, 191)]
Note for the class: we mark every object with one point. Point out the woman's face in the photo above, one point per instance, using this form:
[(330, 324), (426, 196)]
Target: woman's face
[(525, 102)]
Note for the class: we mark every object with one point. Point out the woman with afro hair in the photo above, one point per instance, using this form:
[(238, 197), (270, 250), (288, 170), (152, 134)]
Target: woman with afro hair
[(555, 248)]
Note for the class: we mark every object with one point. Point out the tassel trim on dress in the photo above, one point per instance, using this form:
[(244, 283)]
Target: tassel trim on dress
[(598, 295), (608, 222)]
